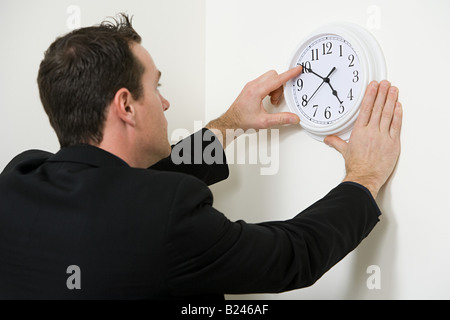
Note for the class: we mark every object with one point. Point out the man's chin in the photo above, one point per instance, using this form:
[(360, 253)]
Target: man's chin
[(168, 150)]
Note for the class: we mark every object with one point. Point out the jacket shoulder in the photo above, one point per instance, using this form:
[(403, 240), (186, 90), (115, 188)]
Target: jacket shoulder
[(27, 159)]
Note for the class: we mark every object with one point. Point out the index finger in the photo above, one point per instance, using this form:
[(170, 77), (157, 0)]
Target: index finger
[(291, 73), (271, 81)]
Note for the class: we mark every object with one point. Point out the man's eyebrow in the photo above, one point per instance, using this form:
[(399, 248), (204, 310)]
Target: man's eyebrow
[(159, 75)]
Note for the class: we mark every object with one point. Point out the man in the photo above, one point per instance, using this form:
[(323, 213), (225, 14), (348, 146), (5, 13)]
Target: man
[(93, 222)]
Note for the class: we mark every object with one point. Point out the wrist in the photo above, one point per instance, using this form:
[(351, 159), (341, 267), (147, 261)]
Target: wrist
[(225, 129), (367, 182)]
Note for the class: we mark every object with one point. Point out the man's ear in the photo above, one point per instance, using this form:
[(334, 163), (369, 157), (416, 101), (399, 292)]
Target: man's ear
[(123, 104)]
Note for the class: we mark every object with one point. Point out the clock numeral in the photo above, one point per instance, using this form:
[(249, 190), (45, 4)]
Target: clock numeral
[(340, 50), (341, 109), (327, 113), (315, 111), (350, 95), (304, 100), (299, 85), (351, 58), (355, 76), (327, 48), (306, 66), (314, 54)]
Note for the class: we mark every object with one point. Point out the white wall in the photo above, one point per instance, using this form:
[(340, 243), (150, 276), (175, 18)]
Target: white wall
[(172, 31), (411, 244), (242, 39)]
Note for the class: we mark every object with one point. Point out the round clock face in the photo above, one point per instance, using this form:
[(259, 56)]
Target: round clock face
[(339, 60), (331, 80)]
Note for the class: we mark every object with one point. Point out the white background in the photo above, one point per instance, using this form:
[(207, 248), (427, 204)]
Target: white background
[(207, 51)]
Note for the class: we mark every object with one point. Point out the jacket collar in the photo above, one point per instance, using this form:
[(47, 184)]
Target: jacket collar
[(88, 154)]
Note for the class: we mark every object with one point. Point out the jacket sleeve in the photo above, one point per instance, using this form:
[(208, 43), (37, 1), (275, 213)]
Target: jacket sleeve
[(200, 155), (208, 254)]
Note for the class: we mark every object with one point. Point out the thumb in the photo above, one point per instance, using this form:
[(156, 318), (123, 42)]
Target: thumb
[(281, 118), (336, 143)]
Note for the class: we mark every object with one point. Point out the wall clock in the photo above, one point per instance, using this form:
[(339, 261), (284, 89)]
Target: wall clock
[(339, 60)]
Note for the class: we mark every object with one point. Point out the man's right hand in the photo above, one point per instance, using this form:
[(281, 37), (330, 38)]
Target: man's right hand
[(374, 146), (248, 112)]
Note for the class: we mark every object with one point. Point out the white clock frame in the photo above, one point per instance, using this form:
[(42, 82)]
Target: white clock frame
[(372, 66)]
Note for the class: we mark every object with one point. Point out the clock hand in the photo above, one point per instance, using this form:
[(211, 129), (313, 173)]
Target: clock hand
[(325, 80), (320, 86), (331, 72), (310, 70), (334, 92)]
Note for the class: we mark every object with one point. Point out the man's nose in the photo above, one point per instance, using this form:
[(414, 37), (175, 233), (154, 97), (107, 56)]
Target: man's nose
[(165, 103)]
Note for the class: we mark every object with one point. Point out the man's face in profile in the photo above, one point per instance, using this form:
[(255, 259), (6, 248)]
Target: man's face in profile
[(151, 123)]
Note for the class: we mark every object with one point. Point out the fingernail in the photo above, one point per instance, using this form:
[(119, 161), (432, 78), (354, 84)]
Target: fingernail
[(385, 84)]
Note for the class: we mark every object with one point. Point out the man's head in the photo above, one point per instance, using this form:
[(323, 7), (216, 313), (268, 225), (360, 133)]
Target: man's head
[(98, 86)]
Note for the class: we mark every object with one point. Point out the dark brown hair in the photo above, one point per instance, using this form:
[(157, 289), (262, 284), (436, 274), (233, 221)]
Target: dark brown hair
[(80, 74)]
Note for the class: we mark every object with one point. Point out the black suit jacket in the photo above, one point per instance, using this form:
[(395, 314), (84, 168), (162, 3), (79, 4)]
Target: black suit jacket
[(154, 234)]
